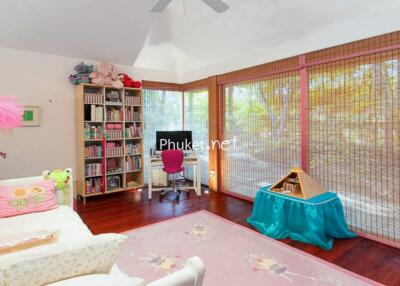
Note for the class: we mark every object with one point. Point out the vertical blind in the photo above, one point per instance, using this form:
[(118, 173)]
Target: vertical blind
[(263, 116), (196, 120), (162, 112), (354, 129)]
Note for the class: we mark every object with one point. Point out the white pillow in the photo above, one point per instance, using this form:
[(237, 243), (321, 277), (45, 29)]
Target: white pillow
[(59, 261), (99, 280)]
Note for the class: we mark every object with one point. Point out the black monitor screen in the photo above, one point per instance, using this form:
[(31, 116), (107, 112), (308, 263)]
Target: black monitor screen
[(173, 140)]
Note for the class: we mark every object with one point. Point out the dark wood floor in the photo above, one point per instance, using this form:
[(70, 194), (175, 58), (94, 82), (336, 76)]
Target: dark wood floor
[(125, 211)]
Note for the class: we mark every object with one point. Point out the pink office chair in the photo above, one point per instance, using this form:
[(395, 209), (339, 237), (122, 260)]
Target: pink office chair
[(172, 160)]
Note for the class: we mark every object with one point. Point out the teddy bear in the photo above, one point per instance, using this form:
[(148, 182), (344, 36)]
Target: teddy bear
[(129, 82), (106, 74), (82, 73)]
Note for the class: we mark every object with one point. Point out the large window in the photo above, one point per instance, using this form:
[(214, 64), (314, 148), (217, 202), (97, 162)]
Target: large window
[(196, 120), (263, 116), (162, 111), (173, 110), (354, 131)]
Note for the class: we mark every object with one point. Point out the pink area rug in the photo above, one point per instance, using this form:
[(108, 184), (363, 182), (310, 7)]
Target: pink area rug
[(233, 255)]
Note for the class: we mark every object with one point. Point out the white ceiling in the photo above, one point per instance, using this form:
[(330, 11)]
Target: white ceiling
[(182, 47)]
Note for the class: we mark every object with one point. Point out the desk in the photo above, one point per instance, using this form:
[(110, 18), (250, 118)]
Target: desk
[(317, 220), (156, 162)]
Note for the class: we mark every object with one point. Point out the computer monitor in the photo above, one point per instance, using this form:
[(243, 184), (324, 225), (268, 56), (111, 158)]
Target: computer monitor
[(174, 140)]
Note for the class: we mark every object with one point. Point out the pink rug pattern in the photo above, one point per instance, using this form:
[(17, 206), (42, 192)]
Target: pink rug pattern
[(233, 255)]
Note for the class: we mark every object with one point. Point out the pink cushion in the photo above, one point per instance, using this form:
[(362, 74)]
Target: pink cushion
[(29, 198)]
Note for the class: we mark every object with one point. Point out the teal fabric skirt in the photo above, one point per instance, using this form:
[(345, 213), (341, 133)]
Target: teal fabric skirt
[(315, 221)]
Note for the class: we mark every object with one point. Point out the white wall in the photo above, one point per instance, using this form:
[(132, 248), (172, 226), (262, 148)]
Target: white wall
[(42, 80)]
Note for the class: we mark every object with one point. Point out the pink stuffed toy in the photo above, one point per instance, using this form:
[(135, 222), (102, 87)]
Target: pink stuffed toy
[(106, 74)]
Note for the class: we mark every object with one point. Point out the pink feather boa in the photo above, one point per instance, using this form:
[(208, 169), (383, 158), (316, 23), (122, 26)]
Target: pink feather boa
[(10, 113)]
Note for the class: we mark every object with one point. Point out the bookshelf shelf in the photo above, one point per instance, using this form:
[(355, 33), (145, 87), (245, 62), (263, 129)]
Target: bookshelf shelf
[(116, 190), (87, 103), (133, 88), (93, 194), (94, 176), (116, 173), (133, 171), (101, 111)]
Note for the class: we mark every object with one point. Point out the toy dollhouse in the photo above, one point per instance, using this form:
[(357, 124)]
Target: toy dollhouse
[(298, 184)]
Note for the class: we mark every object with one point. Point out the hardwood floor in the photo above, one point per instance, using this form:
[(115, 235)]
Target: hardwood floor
[(128, 210)]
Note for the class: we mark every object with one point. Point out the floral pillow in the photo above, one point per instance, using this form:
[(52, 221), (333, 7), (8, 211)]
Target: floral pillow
[(35, 197)]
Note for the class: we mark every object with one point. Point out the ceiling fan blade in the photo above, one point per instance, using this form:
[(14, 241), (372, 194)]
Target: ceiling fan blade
[(218, 5), (160, 5)]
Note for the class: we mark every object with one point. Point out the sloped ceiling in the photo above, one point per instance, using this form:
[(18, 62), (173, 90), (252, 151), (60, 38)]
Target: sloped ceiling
[(182, 46), (112, 30)]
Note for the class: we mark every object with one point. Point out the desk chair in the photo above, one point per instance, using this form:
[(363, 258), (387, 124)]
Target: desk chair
[(172, 160)]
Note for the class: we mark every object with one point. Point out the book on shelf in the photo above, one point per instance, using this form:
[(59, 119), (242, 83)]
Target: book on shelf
[(93, 132), (132, 149), (93, 151), (115, 151), (133, 163), (93, 185), (96, 113), (93, 169), (114, 134), (131, 114), (132, 100), (93, 97), (133, 130), (114, 114)]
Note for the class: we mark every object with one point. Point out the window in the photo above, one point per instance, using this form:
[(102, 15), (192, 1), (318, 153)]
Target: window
[(162, 111), (263, 116), (354, 131), (196, 120)]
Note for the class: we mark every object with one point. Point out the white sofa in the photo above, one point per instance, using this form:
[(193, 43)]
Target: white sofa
[(72, 230)]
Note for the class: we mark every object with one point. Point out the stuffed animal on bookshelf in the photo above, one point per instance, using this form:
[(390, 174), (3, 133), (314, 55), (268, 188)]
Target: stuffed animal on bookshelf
[(82, 73), (129, 82), (64, 184), (106, 74)]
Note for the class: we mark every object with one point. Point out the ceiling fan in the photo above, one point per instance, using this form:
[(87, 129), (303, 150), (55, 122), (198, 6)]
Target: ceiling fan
[(218, 6)]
